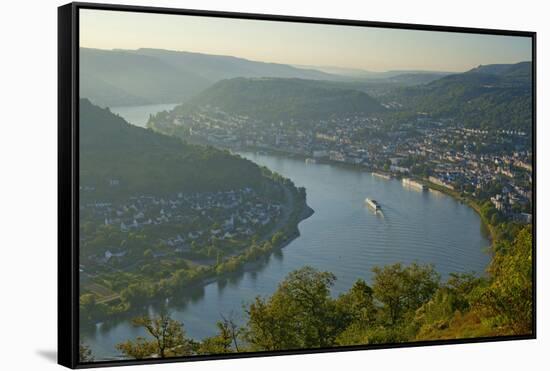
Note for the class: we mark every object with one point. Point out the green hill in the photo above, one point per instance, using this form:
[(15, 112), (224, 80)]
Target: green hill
[(488, 97), (271, 99), (518, 69), (111, 78), (145, 162), (114, 78)]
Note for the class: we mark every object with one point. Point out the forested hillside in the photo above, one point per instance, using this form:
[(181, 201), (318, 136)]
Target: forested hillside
[(142, 161), (487, 97), (283, 99)]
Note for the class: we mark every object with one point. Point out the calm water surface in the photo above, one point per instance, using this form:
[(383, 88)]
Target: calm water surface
[(343, 236)]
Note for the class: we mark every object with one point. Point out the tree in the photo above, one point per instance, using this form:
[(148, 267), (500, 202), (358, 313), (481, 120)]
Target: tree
[(140, 348), (443, 315), (277, 238), (137, 293), (403, 289), (226, 340), (508, 300), (85, 353), (229, 328), (357, 304), (87, 305), (300, 314), (459, 287), (218, 344), (357, 312), (89, 308), (168, 335)]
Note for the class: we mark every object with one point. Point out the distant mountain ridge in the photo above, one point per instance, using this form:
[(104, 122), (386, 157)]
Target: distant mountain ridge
[(523, 68), (275, 99), (362, 74), (122, 77), (148, 76), (492, 97), (115, 78), (414, 78), (487, 96), (218, 67)]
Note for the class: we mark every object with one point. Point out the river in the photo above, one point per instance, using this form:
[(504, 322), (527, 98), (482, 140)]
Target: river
[(139, 115), (343, 236)]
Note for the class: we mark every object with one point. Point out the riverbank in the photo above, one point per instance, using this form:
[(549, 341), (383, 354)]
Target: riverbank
[(252, 265), (295, 210), (342, 237), (449, 192), (473, 204)]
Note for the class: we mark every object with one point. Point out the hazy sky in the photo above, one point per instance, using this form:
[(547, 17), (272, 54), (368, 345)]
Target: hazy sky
[(373, 49)]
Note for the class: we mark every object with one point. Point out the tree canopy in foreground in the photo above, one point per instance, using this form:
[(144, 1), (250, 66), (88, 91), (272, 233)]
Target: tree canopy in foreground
[(404, 303)]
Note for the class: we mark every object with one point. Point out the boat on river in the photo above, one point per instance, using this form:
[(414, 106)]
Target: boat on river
[(373, 204), (414, 184), (381, 175)]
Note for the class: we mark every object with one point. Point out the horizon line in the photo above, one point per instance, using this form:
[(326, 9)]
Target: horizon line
[(317, 68)]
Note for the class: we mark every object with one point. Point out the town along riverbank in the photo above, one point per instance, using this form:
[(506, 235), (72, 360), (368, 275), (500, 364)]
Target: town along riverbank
[(132, 301), (343, 236)]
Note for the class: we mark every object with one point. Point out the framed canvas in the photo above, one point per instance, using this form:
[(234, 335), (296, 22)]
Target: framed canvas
[(238, 185)]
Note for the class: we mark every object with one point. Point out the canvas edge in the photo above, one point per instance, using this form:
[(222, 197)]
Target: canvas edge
[(68, 339)]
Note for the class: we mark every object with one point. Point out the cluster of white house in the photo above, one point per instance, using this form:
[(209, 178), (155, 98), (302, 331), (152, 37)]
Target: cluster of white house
[(458, 157), (201, 217)]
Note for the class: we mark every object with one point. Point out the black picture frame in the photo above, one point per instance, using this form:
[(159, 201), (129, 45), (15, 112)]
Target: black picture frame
[(68, 181)]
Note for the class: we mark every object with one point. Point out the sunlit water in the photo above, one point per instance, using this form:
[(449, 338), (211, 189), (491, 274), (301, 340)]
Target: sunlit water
[(343, 236)]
